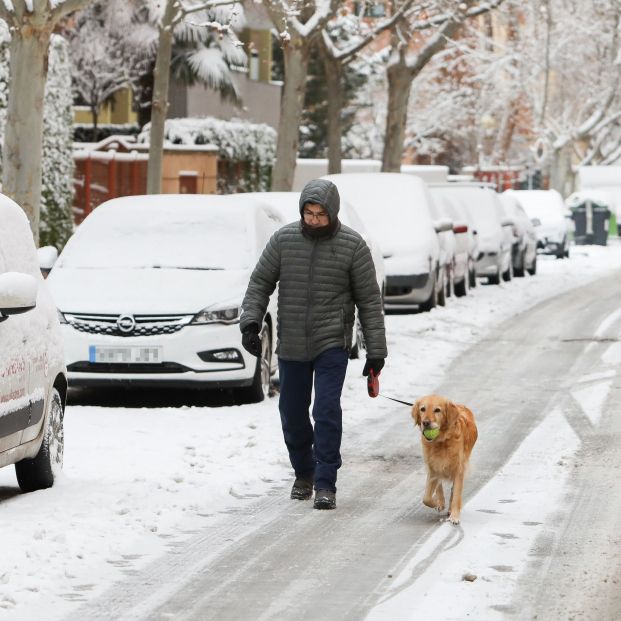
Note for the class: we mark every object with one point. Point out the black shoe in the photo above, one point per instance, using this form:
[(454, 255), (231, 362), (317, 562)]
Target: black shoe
[(325, 499), (302, 489)]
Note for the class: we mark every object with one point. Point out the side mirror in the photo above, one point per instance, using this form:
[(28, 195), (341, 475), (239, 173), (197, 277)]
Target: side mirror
[(460, 228), (18, 294), (47, 257), (441, 226), (536, 221)]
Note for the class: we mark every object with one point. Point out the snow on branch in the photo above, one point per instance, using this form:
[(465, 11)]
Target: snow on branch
[(282, 12), (351, 51)]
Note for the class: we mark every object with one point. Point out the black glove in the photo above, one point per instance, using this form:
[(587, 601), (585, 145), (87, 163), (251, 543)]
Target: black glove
[(374, 364), (251, 339)]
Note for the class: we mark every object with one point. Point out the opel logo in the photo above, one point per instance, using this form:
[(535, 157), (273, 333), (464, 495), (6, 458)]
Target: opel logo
[(126, 323)]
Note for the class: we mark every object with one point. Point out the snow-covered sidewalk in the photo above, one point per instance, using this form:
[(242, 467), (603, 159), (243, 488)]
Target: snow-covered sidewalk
[(136, 477)]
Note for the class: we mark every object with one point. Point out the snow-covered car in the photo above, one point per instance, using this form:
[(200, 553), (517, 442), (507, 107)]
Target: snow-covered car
[(396, 209), (33, 379), (494, 234), (551, 218), (466, 245), (149, 291), (287, 204), (524, 253), (455, 241)]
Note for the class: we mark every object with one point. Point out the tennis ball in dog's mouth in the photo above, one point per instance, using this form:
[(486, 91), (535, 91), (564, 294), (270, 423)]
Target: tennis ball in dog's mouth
[(431, 434)]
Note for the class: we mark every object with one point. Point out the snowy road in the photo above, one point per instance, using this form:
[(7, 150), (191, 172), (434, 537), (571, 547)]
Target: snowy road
[(175, 510), (542, 387)]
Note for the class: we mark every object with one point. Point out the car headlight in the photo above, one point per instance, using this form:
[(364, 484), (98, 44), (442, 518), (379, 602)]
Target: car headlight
[(228, 315), (61, 317)]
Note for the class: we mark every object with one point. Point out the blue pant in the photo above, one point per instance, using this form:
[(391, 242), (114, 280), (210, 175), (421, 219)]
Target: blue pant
[(314, 454)]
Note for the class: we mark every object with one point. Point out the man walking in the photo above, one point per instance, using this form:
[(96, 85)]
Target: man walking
[(324, 269)]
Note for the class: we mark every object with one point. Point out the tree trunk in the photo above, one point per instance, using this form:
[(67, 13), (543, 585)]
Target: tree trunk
[(291, 106), (159, 106), (23, 136), (95, 117), (399, 85), (334, 82), (561, 174)]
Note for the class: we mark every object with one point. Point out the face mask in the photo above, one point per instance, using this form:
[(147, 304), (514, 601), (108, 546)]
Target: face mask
[(320, 232)]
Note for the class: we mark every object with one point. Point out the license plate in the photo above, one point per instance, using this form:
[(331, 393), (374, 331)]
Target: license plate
[(137, 355)]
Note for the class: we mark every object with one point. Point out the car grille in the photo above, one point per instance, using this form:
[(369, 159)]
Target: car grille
[(122, 367), (128, 325)]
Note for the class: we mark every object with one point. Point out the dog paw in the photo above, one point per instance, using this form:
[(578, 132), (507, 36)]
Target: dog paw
[(439, 508), (453, 519)]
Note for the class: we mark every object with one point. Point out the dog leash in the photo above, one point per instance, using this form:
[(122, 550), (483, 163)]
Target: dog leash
[(373, 388)]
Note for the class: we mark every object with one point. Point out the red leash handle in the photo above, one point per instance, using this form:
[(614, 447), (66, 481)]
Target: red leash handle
[(373, 384)]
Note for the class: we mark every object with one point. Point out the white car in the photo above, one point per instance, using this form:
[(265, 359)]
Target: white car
[(287, 203), (551, 218), (149, 291), (465, 244), (494, 233), (525, 246), (396, 209), (33, 380)]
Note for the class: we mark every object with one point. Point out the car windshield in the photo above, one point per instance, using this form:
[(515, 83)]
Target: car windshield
[(147, 237)]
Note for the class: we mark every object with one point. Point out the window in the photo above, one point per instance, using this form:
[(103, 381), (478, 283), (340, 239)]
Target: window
[(370, 8)]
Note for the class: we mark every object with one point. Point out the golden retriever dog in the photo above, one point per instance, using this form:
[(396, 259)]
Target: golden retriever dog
[(447, 454)]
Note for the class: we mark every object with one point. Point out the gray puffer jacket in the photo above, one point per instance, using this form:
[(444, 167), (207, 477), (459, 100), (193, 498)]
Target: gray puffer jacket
[(320, 281)]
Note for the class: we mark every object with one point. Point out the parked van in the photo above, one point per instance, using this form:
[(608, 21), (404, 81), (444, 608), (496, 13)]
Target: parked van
[(33, 379), (396, 208)]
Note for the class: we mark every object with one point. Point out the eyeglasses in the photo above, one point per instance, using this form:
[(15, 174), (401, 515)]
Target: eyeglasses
[(320, 215)]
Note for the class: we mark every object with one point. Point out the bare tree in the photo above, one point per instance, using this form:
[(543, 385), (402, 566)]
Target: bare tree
[(301, 25), (31, 23), (407, 60), (173, 17), (335, 60), (100, 57)]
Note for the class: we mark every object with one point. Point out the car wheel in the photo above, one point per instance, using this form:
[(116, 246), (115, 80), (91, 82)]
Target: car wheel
[(461, 287), (567, 252), (41, 471), (442, 293), (495, 279), (532, 270), (472, 276), (262, 380), (450, 285), (518, 270), (432, 301), (508, 274)]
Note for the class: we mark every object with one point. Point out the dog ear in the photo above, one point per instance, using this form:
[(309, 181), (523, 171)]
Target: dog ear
[(416, 413), (452, 413)]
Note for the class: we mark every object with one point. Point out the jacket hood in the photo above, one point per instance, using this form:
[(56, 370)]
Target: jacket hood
[(321, 192)]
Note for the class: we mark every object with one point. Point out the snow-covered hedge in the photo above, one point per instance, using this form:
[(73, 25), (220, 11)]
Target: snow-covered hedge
[(56, 224), (251, 145)]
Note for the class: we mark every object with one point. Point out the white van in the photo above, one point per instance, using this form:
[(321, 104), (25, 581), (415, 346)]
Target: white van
[(33, 379), (396, 208)]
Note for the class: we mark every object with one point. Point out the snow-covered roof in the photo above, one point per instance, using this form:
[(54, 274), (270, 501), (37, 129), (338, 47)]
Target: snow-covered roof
[(393, 206), (307, 169)]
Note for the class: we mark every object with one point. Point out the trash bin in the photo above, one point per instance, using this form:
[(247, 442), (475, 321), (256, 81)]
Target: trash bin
[(592, 219)]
